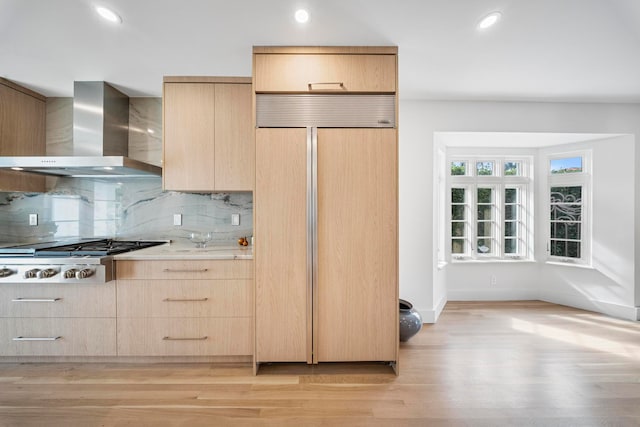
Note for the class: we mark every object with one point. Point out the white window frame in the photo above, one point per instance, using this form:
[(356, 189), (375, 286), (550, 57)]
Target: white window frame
[(582, 179), (498, 182)]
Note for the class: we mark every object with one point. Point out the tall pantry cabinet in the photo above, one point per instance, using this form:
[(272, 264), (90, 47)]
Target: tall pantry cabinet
[(326, 204)]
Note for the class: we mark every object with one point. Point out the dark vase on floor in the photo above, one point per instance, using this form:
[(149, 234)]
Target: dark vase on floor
[(410, 320)]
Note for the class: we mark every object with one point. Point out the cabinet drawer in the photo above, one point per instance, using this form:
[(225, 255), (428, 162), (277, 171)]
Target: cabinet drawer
[(185, 269), (325, 73), (57, 337), (58, 300), (185, 337), (185, 298)]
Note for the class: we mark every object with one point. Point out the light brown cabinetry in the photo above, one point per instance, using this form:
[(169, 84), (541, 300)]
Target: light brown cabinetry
[(58, 320), (185, 308), (22, 133), (208, 140), (325, 71), (326, 221)]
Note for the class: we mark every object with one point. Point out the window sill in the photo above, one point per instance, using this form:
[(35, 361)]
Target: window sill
[(493, 261), (570, 264)]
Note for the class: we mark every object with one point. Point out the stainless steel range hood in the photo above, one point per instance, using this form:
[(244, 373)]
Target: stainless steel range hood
[(100, 139)]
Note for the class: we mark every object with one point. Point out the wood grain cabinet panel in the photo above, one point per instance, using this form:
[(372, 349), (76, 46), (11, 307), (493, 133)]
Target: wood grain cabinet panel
[(22, 133), (57, 337), (185, 337), (56, 300), (185, 307), (208, 135), (185, 269), (185, 298), (320, 73)]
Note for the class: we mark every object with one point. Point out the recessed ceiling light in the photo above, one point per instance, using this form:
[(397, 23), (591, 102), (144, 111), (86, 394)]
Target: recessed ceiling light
[(151, 131), (109, 14), (302, 16), (15, 168), (108, 168), (489, 20)]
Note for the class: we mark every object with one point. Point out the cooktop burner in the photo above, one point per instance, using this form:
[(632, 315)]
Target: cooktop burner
[(102, 247)]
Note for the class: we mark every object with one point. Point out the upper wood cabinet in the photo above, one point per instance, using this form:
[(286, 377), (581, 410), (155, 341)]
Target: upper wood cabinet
[(208, 142), (22, 133), (325, 70)]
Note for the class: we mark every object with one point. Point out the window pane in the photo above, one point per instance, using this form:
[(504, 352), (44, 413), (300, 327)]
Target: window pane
[(558, 230), (511, 229), (485, 212), (511, 195), (566, 165), (566, 194), (457, 229), (457, 246), (558, 248), (573, 231), (573, 249), (458, 168), (485, 195), (566, 213), (457, 212), (484, 246), (484, 168), (485, 229), (511, 168), (457, 195), (510, 246), (511, 212)]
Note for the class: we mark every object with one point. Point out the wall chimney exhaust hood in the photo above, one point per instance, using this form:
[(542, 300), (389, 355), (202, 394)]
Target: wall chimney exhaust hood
[(100, 140)]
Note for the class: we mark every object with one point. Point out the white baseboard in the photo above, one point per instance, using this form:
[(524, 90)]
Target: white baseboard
[(492, 294), (580, 301), (431, 315)]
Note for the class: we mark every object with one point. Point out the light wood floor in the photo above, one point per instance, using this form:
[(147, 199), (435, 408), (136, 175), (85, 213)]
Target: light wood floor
[(482, 364)]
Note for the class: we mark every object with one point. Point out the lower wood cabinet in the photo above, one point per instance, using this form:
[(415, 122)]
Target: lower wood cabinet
[(205, 336), (52, 319), (57, 336), (185, 308)]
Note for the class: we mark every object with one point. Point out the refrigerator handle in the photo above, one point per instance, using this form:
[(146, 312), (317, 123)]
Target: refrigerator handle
[(314, 201), (310, 233)]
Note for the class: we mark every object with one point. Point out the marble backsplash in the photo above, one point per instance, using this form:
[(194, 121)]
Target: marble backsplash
[(124, 208), (127, 209)]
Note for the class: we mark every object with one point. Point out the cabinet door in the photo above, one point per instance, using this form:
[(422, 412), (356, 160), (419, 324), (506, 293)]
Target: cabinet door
[(189, 136), (357, 300), (321, 73), (234, 139), (282, 333), (22, 133)]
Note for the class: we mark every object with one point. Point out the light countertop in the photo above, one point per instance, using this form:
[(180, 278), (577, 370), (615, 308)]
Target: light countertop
[(178, 250)]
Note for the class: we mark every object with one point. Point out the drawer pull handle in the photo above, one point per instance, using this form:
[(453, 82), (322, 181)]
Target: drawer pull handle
[(36, 338), (311, 84), (185, 299), (171, 270), (36, 299), (184, 339)]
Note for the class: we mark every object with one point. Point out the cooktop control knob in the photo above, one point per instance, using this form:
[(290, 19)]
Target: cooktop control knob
[(6, 272), (31, 274), (84, 273), (70, 273), (46, 273)]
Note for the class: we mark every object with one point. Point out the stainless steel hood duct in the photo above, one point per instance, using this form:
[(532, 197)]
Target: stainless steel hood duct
[(100, 139)]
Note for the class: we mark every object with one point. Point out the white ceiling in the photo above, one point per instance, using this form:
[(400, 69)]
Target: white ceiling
[(546, 50)]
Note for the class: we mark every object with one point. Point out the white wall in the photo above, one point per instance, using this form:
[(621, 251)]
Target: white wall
[(608, 286), (421, 282)]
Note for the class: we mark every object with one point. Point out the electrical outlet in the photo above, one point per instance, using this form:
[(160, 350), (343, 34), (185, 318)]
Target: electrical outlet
[(177, 219), (494, 280), (33, 219), (235, 219)]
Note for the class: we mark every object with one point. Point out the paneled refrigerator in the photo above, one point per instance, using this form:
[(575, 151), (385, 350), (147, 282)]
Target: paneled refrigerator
[(326, 227)]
